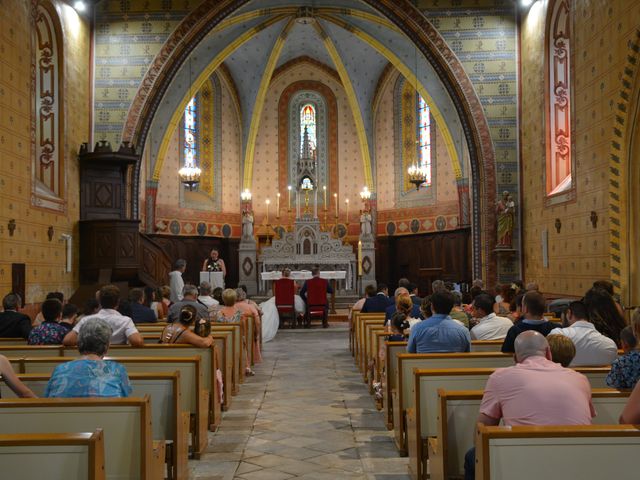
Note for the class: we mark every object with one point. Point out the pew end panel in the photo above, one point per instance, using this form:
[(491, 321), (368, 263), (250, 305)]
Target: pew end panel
[(389, 377)]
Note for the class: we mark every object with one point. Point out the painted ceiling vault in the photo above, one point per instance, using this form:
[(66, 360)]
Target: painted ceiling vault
[(345, 36)]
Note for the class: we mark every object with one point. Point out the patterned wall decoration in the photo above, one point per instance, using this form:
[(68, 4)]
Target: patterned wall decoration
[(603, 32), (482, 33), (128, 35), (45, 259)]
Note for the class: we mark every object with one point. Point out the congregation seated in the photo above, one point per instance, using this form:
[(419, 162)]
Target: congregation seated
[(369, 291), (488, 325), (189, 297), (123, 330), (563, 351), (205, 297), (413, 309), (69, 315), (379, 302), (503, 302), (164, 302), (625, 370), (180, 331), (533, 307), (13, 324), (90, 375), (139, 312), (604, 313), (399, 325), (592, 347), (52, 331), (628, 341), (91, 307), (413, 293), (151, 301), (439, 333), (40, 317), (13, 382), (536, 391), (457, 313), (229, 312)]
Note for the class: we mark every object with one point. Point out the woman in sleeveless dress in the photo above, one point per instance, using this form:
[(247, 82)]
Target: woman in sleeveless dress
[(180, 331)]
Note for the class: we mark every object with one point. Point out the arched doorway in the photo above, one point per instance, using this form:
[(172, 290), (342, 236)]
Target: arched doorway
[(407, 18)]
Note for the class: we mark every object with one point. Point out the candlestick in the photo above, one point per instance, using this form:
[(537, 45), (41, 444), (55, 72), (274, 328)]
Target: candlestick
[(324, 197), (267, 201), (315, 203), (278, 205), (289, 197), (335, 196), (297, 204), (347, 202)]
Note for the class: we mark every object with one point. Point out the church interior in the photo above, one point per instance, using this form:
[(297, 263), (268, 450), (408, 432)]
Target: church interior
[(490, 142)]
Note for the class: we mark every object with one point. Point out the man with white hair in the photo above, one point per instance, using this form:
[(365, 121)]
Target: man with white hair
[(535, 391), (391, 309)]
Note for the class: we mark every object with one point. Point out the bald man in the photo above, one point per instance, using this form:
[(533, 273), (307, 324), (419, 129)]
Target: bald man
[(535, 391)]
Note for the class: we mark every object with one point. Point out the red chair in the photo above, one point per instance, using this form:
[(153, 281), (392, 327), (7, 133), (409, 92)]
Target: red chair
[(284, 290), (317, 301)]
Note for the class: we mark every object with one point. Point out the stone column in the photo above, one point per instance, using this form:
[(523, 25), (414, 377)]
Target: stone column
[(248, 266)]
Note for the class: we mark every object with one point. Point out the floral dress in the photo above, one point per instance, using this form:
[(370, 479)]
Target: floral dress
[(89, 378), (625, 371)]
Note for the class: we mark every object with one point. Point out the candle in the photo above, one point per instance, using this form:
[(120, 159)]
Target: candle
[(359, 258), (335, 196), (289, 198), (267, 201), (315, 203), (347, 202), (324, 196), (278, 205)]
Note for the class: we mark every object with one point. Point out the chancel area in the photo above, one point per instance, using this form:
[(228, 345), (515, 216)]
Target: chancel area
[(360, 239)]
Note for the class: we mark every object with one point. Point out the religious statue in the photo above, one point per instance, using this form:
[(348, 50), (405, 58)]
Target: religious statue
[(247, 224), (365, 224), (506, 212)]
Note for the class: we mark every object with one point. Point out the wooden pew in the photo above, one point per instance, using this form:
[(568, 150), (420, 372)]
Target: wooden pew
[(402, 396), (238, 352), (129, 451), (194, 398), (25, 350), (456, 425), (389, 377), (169, 423), (12, 341), (224, 342), (551, 452), (421, 415), (486, 345), (34, 456), (210, 357), (358, 319), (369, 326)]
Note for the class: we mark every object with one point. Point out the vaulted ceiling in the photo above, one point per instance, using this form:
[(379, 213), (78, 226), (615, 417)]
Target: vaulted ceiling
[(345, 35)]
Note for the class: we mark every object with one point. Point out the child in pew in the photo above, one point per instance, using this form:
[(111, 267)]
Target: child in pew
[(90, 375), (13, 382), (562, 349), (625, 370)]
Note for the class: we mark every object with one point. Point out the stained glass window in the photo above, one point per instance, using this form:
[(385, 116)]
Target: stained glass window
[(423, 117), (190, 133), (308, 120)]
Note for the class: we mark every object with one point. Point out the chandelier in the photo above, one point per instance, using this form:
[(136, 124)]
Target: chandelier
[(417, 175), (189, 174)]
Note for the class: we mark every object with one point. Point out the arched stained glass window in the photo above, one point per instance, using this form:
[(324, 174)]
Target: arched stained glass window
[(423, 118), (308, 120), (191, 133)]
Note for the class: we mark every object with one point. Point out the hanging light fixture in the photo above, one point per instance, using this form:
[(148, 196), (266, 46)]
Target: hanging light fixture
[(365, 195), (417, 172), (190, 172)]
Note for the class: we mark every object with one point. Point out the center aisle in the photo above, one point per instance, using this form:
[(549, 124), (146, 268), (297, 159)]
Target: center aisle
[(306, 414)]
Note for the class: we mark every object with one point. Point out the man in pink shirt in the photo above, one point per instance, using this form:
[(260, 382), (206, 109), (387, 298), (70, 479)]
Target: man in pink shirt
[(535, 391)]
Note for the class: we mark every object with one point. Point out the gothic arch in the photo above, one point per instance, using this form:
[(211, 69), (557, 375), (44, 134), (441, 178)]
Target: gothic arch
[(430, 43)]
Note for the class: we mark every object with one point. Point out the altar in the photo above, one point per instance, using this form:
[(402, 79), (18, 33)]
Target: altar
[(302, 275)]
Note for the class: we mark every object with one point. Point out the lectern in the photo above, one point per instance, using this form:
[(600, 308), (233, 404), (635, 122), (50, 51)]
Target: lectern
[(215, 279)]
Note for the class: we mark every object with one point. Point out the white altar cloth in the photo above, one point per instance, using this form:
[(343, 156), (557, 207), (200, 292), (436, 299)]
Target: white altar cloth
[(304, 275)]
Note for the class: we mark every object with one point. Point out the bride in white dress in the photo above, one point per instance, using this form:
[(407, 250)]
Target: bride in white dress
[(271, 319)]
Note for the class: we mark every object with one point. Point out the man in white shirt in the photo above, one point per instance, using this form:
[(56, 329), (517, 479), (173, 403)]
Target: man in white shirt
[(489, 325), (592, 348), (205, 297), (176, 283), (123, 330)]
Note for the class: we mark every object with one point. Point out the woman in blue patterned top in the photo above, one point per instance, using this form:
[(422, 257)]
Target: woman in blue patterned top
[(50, 331), (90, 376), (625, 370)]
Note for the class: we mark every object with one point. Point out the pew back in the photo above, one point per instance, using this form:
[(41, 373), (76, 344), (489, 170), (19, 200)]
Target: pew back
[(583, 451), (126, 423), (54, 455), (486, 345)]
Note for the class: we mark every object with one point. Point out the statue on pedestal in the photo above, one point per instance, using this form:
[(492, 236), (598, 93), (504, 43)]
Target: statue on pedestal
[(506, 212), (247, 225), (365, 224)]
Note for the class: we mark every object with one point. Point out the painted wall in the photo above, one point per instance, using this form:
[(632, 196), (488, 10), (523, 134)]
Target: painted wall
[(44, 259), (579, 253)]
